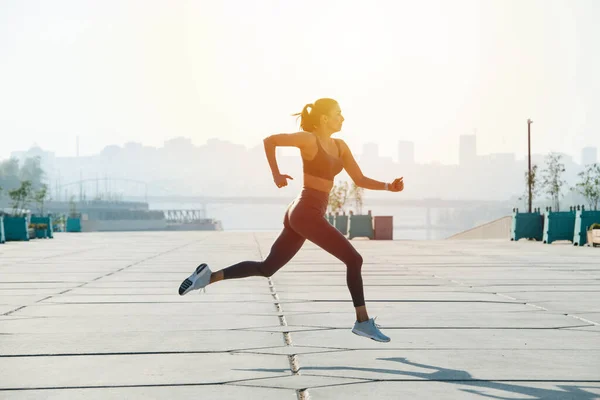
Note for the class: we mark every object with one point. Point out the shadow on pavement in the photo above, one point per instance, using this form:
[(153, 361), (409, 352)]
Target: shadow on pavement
[(463, 378)]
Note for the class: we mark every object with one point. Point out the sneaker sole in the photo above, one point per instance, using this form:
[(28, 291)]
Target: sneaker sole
[(187, 285), (359, 333)]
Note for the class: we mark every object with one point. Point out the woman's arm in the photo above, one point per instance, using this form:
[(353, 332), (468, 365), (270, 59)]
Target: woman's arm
[(300, 140), (355, 172)]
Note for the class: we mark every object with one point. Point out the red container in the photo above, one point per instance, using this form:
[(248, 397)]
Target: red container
[(383, 227)]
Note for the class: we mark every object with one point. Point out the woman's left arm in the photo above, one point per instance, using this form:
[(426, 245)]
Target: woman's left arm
[(352, 168)]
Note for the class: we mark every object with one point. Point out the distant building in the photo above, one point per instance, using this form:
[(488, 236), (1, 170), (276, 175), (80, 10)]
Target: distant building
[(370, 151), (182, 145), (589, 155), (503, 158), (406, 152), (467, 150), (47, 158)]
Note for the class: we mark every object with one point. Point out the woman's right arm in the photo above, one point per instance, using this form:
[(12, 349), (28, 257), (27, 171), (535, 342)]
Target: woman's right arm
[(299, 139)]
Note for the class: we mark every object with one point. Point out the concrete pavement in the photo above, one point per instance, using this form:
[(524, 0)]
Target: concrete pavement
[(97, 316)]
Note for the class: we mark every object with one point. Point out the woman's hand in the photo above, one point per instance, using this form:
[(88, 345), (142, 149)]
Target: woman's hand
[(281, 180), (397, 185)]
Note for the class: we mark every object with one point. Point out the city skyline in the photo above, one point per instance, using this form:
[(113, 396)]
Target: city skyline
[(224, 168), (404, 150)]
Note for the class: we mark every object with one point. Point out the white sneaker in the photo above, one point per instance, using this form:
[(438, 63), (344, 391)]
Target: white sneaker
[(198, 280), (370, 330)]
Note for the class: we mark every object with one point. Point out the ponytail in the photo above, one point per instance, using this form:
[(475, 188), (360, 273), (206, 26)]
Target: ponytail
[(310, 120), (306, 122)]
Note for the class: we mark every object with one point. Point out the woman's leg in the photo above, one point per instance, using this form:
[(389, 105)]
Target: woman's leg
[(284, 248), (315, 228)]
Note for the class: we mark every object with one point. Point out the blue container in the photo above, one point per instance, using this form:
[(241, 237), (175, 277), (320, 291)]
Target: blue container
[(15, 228), (330, 218), (583, 220), (527, 225), (73, 224), (559, 225), (2, 237), (361, 226), (56, 226), (341, 224), (48, 232)]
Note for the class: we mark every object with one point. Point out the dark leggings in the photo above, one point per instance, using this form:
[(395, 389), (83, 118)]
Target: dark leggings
[(303, 220)]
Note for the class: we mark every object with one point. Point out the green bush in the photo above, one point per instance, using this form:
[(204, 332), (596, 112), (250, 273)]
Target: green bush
[(42, 227)]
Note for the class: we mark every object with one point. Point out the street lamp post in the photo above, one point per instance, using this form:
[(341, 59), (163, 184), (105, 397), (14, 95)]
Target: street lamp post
[(529, 122)]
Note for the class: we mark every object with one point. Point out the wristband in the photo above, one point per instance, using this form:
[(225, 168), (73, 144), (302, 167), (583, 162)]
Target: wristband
[(387, 186)]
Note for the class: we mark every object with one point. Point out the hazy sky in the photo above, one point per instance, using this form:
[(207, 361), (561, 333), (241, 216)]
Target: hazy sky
[(427, 71)]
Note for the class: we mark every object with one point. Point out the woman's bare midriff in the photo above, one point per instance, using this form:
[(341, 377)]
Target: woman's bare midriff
[(317, 183)]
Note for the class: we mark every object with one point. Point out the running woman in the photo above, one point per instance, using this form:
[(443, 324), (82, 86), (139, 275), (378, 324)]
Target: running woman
[(323, 157)]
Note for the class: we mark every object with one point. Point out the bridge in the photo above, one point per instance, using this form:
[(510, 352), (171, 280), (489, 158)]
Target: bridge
[(380, 201), (397, 200)]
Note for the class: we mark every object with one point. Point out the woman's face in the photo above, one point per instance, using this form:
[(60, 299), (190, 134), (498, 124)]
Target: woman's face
[(333, 120)]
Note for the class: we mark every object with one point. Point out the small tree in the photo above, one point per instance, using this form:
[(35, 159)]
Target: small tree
[(552, 181), (32, 171), (333, 201), (338, 197), (343, 195), (589, 185), (9, 174), (72, 207), (40, 198), (356, 194), (20, 197), (535, 185)]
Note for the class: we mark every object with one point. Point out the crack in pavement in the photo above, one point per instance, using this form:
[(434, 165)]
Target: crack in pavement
[(302, 394)]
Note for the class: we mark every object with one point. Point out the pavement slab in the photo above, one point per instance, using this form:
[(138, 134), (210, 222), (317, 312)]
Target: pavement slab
[(156, 392), (463, 390), (137, 369)]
